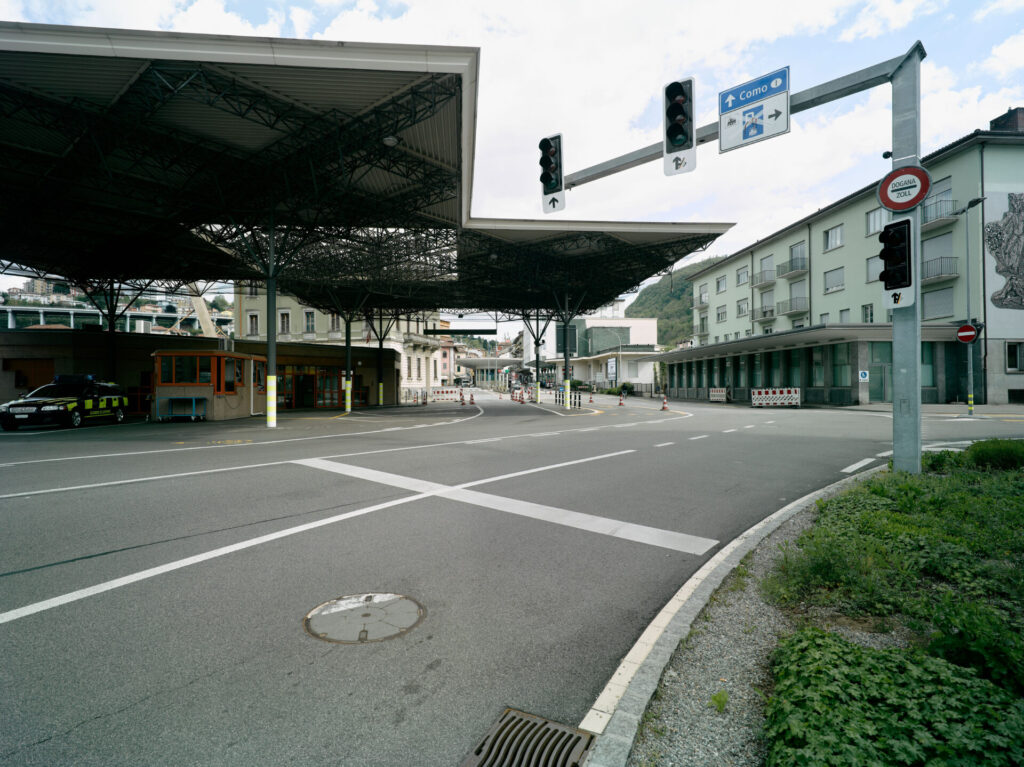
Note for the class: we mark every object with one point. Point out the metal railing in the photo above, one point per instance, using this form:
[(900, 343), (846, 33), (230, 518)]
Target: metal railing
[(792, 305), (796, 265), (939, 268), (762, 313), (936, 209), (765, 277)]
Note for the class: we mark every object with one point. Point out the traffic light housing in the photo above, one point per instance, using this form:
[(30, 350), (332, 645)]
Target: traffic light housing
[(896, 255), (679, 139), (551, 164)]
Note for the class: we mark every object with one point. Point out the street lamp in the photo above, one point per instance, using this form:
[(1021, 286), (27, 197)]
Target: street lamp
[(967, 284)]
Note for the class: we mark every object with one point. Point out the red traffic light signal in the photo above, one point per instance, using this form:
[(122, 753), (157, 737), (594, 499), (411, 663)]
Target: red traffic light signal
[(896, 255)]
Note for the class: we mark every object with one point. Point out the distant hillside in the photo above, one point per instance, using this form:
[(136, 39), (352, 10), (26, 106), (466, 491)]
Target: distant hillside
[(671, 301)]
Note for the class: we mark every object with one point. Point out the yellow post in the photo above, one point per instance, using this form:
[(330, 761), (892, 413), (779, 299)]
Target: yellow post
[(271, 401)]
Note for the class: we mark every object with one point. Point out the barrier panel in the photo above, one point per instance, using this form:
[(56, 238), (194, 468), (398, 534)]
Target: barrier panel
[(445, 393), (783, 396), (716, 394)]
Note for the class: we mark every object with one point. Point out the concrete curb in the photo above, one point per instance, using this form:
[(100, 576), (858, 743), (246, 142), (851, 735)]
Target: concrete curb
[(612, 747)]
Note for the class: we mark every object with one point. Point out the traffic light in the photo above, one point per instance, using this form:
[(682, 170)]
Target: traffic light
[(680, 134), (896, 255), (551, 164)]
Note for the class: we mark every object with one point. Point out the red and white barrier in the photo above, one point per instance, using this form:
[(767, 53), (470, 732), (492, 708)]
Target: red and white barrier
[(444, 394), (776, 397), (716, 394)]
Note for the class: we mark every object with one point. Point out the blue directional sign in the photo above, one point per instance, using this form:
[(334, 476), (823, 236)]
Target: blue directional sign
[(753, 91), (754, 111)]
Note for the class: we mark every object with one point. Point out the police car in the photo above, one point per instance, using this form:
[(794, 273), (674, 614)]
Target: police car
[(70, 400)]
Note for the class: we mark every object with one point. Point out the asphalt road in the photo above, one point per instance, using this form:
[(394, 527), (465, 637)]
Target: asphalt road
[(154, 578)]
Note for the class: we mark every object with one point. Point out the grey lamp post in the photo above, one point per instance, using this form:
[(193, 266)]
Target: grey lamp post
[(967, 285)]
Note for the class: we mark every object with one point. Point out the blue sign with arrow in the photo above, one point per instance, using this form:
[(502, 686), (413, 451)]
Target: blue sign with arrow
[(753, 91)]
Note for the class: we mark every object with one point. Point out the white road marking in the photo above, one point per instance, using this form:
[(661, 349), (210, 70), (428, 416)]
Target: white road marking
[(886, 454), (859, 465), (689, 544), (702, 436), (749, 426), (664, 444), (728, 431), (667, 539)]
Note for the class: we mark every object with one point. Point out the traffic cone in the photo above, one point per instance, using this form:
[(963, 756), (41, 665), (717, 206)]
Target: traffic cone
[(462, 398), (621, 403), (591, 398), (471, 402), (664, 402)]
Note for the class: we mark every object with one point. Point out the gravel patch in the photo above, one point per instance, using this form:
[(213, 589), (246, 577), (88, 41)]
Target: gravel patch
[(727, 650)]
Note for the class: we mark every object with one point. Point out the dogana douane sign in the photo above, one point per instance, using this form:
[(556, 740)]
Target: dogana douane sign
[(904, 188)]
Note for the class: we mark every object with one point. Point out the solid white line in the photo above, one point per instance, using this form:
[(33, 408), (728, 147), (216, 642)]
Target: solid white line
[(859, 465), (702, 436), (430, 489)]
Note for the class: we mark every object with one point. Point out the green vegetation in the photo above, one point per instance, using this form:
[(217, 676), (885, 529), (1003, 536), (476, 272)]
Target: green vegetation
[(671, 301), (941, 553), (719, 700)]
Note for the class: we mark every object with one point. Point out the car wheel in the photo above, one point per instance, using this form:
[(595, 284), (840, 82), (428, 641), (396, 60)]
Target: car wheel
[(75, 419), (119, 414)]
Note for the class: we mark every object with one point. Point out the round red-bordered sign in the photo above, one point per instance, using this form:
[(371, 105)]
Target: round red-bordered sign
[(904, 188), (966, 333)]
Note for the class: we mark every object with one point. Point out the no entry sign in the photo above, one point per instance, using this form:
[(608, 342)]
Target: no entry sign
[(904, 188), (966, 333)]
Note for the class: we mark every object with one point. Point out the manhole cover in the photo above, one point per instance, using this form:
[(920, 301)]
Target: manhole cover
[(361, 618)]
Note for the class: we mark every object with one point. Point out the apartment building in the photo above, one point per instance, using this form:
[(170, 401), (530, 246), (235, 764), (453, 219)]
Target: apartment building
[(804, 307)]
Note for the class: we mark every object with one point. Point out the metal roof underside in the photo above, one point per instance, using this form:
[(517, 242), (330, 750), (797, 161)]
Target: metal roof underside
[(140, 156)]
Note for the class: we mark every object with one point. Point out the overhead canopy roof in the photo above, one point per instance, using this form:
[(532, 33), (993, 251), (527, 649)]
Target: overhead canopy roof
[(135, 155)]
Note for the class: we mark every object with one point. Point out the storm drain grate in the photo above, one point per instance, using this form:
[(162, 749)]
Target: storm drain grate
[(519, 739)]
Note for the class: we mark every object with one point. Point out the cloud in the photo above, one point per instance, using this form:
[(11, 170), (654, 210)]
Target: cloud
[(302, 20), (211, 17), (998, 6), (878, 17), (1007, 57)]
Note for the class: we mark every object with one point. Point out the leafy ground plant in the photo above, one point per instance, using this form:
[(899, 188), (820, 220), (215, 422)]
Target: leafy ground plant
[(839, 704)]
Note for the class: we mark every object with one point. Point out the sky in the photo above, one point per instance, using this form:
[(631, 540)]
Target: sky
[(594, 70)]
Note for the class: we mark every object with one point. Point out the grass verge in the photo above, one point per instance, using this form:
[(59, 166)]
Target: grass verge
[(941, 553)]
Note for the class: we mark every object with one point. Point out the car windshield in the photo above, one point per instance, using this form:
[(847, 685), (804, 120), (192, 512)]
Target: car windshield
[(56, 390)]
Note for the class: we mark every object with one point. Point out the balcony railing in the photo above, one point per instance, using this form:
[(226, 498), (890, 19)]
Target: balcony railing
[(795, 266), (939, 269), (764, 313), (935, 213), (765, 277), (702, 300), (792, 306)]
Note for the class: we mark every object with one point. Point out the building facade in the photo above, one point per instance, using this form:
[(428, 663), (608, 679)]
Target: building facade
[(421, 360), (805, 307)]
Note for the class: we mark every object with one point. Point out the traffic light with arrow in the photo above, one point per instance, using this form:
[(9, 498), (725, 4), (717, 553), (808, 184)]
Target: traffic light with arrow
[(551, 180), (679, 140)]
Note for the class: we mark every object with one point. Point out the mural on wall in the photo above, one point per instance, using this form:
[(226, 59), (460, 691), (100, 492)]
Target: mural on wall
[(1005, 242)]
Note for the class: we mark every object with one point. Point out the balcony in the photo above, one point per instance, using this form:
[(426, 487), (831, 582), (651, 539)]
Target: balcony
[(939, 270), (701, 302), (792, 306), (793, 268), (937, 213), (762, 278), (764, 313)]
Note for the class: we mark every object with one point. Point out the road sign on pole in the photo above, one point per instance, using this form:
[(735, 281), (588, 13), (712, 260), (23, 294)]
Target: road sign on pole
[(754, 111), (966, 334)]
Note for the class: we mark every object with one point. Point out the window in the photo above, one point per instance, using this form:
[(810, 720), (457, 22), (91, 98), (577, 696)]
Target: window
[(285, 326), (927, 363), (823, 318), (435, 370), (767, 331), (254, 324), (937, 303), (768, 300), (834, 280), (251, 291), (702, 294), (408, 367), (875, 267), (798, 251), (703, 323), (742, 307), (310, 318), (419, 368), (833, 238), (720, 314), (844, 315), (742, 275), (721, 284), (232, 375), (1014, 356), (725, 337), (817, 366), (185, 370), (876, 220), (867, 313), (841, 365), (335, 323)]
